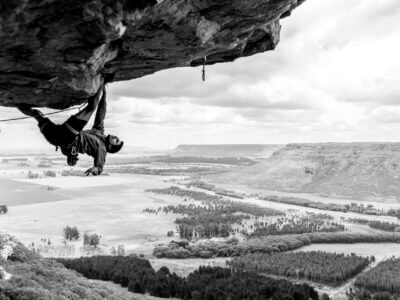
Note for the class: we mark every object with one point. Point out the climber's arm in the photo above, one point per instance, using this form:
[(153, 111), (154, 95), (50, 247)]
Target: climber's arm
[(101, 113), (99, 161)]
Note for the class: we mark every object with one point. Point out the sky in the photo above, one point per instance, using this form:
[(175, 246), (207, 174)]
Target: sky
[(334, 77)]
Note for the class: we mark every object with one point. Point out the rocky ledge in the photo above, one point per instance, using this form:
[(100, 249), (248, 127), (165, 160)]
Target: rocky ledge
[(57, 53)]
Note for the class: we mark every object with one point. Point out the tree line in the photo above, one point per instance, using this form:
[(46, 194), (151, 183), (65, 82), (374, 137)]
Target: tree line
[(385, 277), (296, 225), (368, 209), (267, 244), (318, 266), (205, 283), (381, 225)]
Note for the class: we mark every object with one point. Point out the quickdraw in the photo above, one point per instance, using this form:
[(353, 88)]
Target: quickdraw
[(203, 75), (73, 150)]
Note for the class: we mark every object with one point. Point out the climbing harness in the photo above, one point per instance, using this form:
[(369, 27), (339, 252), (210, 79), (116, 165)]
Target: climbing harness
[(203, 76), (52, 113), (71, 151)]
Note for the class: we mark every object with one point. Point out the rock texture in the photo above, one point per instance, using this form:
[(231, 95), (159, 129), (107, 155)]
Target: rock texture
[(56, 53), (365, 171)]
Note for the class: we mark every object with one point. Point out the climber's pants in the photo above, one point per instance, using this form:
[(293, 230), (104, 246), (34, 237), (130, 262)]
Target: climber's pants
[(64, 134)]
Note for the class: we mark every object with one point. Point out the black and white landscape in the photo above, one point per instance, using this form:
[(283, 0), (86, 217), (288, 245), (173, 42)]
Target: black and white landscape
[(278, 177), (182, 209)]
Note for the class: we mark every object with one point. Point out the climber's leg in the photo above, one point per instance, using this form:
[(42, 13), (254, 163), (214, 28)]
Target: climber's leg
[(29, 111), (54, 134)]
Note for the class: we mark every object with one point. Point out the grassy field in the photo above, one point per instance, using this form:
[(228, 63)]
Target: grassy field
[(113, 211), (13, 193)]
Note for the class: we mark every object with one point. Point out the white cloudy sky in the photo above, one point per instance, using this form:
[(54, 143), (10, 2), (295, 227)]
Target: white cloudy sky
[(335, 76)]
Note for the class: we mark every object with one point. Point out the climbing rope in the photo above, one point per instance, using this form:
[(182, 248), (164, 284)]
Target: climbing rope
[(203, 76), (51, 113)]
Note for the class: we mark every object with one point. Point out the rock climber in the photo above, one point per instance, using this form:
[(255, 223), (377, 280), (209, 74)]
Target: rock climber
[(71, 137)]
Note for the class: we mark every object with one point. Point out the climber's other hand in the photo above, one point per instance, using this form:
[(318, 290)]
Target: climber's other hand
[(94, 171)]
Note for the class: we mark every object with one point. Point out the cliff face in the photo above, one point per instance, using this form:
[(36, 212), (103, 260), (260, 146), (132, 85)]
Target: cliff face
[(227, 150), (57, 53)]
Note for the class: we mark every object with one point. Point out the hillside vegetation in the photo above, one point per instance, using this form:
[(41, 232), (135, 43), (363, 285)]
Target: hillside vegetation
[(355, 170), (25, 275)]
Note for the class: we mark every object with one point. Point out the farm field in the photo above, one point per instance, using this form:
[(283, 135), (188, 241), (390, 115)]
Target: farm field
[(13, 192), (113, 211)]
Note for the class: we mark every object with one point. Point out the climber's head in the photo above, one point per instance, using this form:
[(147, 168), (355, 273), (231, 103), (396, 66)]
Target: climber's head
[(113, 143)]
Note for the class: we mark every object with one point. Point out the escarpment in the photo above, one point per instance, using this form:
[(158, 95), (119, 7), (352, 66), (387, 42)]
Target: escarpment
[(57, 53)]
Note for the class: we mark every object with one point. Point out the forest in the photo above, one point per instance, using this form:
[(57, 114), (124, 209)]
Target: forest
[(318, 266), (385, 226), (268, 244), (297, 224), (385, 277), (205, 283), (214, 217)]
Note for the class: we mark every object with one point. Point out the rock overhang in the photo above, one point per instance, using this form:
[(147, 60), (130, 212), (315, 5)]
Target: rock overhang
[(57, 53)]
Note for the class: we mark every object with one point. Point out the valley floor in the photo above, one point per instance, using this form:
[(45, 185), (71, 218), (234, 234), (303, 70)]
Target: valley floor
[(113, 205)]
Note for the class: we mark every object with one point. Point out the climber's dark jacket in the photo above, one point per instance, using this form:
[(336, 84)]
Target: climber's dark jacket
[(70, 136)]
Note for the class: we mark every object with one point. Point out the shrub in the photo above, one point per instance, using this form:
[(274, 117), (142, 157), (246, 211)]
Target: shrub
[(32, 175), (91, 239), (3, 209), (44, 165), (71, 233), (49, 173)]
